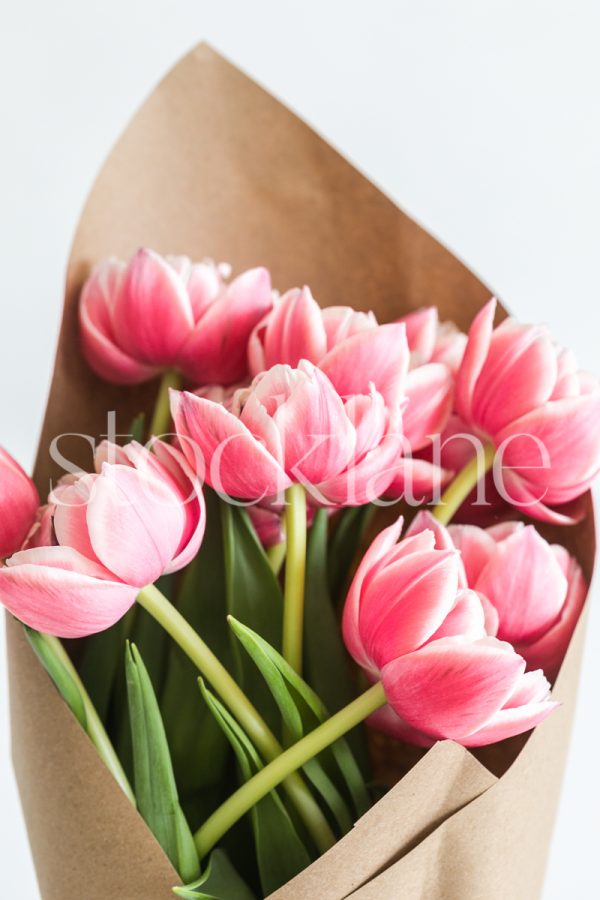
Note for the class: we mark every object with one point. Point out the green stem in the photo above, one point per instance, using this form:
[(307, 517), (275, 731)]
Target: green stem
[(276, 556), (231, 694), (459, 489), (242, 801), (295, 570), (94, 727), (161, 420)]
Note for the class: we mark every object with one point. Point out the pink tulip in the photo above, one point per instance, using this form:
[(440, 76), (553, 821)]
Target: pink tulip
[(159, 313), (268, 526), (537, 588), (140, 516), (436, 349), (521, 391), (292, 426), (408, 622), (19, 501)]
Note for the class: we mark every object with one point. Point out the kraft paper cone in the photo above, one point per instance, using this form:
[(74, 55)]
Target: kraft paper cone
[(213, 166)]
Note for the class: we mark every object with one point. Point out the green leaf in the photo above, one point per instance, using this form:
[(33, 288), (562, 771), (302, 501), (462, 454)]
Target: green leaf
[(253, 596), (280, 854), (220, 881), (155, 788), (137, 429), (302, 711), (326, 661), (351, 526), (195, 738), (62, 679)]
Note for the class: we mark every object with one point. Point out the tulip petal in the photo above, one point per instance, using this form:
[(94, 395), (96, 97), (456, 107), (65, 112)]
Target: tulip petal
[(476, 547), (406, 602), (478, 342), (466, 618), (295, 330), (430, 393), (135, 523), (216, 350), (59, 592), (236, 463), (98, 341), (379, 356), (526, 585), (452, 687), (152, 315), (509, 722), (421, 329)]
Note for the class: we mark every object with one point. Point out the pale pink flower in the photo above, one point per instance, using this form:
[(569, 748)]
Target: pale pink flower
[(518, 389), (409, 622), (140, 516), (156, 313)]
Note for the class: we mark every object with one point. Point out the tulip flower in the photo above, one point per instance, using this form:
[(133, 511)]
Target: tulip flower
[(409, 622), (436, 350), (166, 313), (19, 500), (291, 426), (522, 393), (114, 532), (537, 588)]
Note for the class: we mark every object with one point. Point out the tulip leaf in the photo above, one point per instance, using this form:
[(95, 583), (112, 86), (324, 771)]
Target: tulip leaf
[(280, 853), (137, 429), (219, 881), (253, 596), (196, 737), (345, 542), (302, 711), (326, 661), (65, 685), (155, 788)]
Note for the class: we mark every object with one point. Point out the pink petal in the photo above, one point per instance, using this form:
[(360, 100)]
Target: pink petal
[(295, 330), (421, 330), (216, 351), (417, 480), (526, 585), (98, 341), (466, 618), (509, 722), (476, 548), (549, 650), (236, 463), (135, 524), (569, 429), (152, 315), (518, 375), (57, 591), (19, 501), (70, 515), (525, 498), (342, 322), (371, 561), (406, 602), (194, 506), (389, 722), (452, 687), (478, 342), (203, 282), (379, 356), (317, 436), (430, 392)]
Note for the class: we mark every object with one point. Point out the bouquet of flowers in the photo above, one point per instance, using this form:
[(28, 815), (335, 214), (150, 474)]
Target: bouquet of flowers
[(327, 547)]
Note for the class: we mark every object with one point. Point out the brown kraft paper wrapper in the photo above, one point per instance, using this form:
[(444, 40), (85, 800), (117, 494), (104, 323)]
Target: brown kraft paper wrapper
[(214, 166)]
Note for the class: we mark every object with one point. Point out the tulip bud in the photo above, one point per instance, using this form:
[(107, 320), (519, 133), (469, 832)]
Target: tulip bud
[(409, 621), (19, 501), (139, 516)]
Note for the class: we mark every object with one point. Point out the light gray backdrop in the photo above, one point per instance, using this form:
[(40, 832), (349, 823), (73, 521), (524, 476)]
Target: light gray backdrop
[(480, 118)]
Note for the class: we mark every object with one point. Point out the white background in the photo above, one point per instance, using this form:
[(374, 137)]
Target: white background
[(479, 117)]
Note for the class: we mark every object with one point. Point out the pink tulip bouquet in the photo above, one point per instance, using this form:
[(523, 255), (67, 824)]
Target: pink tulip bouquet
[(265, 580)]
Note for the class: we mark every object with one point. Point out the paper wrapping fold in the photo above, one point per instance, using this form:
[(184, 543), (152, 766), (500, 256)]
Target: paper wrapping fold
[(213, 166)]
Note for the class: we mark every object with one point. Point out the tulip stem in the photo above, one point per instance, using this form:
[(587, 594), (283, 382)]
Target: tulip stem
[(242, 801), (231, 694), (459, 489), (161, 419), (52, 653), (295, 570)]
